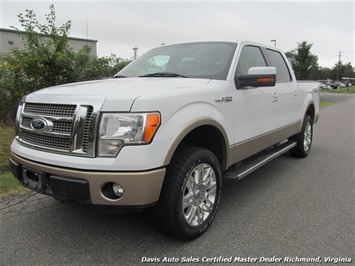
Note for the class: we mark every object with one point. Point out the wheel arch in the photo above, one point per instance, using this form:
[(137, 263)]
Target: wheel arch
[(205, 133), (310, 111)]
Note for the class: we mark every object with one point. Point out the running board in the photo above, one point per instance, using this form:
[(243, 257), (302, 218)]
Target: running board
[(255, 162)]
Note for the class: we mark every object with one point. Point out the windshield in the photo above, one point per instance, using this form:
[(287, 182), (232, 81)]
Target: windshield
[(210, 60)]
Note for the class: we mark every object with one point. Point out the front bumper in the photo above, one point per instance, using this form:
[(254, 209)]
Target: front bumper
[(140, 188)]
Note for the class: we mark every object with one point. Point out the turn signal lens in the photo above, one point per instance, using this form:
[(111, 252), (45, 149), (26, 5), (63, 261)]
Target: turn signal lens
[(152, 123), (265, 79)]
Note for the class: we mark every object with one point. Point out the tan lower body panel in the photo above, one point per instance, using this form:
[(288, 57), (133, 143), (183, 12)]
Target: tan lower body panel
[(140, 188), (250, 147)]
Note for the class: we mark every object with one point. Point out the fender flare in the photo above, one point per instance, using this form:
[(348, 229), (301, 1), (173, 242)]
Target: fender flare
[(189, 127)]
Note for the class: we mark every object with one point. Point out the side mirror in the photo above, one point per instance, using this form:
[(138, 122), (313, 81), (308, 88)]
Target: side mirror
[(257, 77)]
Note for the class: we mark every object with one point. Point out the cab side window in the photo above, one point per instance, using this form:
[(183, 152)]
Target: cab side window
[(276, 60), (251, 56)]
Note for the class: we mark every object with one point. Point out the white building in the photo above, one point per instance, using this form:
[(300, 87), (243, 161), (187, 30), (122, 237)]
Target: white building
[(10, 39)]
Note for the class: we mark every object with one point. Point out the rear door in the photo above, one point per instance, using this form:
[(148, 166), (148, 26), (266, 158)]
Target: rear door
[(286, 95)]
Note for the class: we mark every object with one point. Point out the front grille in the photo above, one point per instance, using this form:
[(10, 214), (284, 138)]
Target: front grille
[(58, 126), (62, 127), (50, 109), (26, 122), (46, 141), (68, 128)]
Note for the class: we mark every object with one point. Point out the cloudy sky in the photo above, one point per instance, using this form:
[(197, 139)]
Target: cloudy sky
[(121, 25)]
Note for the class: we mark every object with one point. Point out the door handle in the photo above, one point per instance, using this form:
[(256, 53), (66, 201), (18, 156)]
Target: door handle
[(275, 97)]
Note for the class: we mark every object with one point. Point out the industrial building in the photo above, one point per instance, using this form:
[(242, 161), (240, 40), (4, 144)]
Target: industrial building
[(10, 39)]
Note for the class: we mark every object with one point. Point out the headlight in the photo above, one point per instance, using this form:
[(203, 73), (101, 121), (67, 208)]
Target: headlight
[(117, 130)]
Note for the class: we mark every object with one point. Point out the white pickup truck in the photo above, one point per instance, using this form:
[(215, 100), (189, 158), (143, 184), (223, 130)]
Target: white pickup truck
[(166, 130)]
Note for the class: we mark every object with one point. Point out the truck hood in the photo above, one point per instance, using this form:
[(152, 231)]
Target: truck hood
[(117, 94)]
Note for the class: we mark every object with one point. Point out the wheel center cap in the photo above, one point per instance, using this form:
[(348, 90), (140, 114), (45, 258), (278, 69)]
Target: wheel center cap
[(199, 196)]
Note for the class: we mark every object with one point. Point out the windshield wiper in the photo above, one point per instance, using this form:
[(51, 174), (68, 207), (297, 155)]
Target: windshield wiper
[(118, 76), (163, 74)]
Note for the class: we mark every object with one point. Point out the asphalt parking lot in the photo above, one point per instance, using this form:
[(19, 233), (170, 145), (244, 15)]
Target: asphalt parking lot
[(290, 209)]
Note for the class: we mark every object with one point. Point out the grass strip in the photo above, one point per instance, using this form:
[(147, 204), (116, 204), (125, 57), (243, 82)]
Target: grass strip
[(9, 185)]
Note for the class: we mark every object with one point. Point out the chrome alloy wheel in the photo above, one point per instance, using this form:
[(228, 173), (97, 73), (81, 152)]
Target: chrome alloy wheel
[(307, 140), (199, 194)]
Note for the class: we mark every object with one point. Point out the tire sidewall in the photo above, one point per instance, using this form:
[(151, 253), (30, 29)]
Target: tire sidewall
[(298, 150), (213, 162), (307, 120)]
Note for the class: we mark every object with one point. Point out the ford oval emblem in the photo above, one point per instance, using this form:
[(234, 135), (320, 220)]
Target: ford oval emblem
[(38, 123)]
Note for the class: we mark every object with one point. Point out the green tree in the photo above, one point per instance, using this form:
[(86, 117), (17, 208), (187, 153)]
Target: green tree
[(305, 64), (324, 73), (340, 71), (348, 71), (47, 60), (88, 66)]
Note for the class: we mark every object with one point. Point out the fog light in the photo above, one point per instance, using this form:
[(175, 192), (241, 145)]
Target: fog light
[(117, 190), (112, 190)]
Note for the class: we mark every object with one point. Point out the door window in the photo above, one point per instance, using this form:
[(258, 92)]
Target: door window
[(276, 59), (250, 56)]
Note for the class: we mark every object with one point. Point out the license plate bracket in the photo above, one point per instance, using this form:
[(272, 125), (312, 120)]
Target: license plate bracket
[(34, 180)]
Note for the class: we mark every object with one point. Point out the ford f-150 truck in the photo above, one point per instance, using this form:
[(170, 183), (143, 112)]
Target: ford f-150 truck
[(165, 130)]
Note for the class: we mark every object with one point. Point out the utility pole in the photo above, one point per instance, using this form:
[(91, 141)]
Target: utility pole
[(87, 32), (339, 65), (135, 52)]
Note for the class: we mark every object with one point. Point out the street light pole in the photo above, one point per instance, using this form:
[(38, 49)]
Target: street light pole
[(339, 66), (274, 41)]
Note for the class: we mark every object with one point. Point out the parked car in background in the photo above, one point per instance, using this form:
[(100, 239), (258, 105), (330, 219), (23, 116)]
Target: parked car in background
[(348, 83), (323, 86), (342, 85), (334, 84)]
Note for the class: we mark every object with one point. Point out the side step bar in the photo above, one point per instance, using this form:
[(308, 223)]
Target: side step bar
[(255, 162)]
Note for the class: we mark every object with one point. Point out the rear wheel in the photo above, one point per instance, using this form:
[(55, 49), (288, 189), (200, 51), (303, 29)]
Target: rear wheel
[(190, 194), (303, 139)]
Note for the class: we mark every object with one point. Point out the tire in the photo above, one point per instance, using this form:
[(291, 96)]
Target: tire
[(304, 139), (188, 204)]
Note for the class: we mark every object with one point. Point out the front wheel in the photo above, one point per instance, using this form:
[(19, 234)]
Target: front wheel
[(191, 193), (303, 139)]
